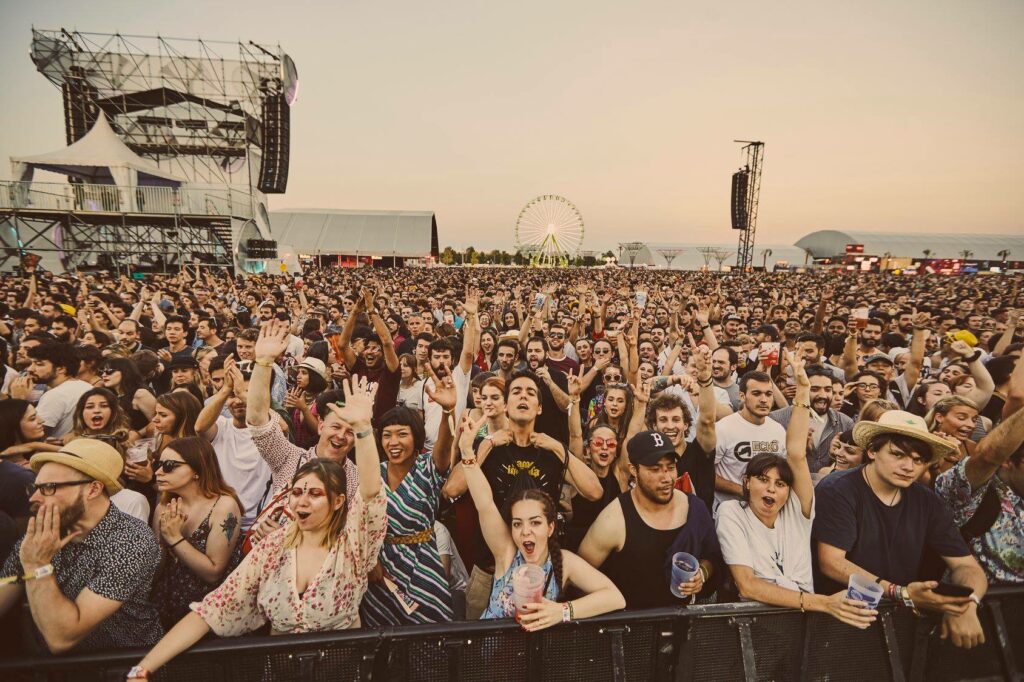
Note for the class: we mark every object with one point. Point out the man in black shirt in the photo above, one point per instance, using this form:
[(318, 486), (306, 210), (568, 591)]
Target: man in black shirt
[(877, 521), (554, 389)]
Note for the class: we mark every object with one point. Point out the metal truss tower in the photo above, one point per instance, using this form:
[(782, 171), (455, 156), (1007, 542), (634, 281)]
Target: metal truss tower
[(754, 153)]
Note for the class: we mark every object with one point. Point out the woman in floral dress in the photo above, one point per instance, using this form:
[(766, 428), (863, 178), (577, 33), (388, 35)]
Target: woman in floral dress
[(310, 575)]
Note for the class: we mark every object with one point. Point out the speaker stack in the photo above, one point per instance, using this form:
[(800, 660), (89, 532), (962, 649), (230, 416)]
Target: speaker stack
[(274, 164), (740, 191), (80, 108)]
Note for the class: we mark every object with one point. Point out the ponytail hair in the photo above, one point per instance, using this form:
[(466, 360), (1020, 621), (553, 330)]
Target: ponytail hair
[(551, 515)]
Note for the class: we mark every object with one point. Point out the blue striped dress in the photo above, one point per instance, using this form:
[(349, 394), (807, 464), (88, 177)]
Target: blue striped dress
[(416, 569)]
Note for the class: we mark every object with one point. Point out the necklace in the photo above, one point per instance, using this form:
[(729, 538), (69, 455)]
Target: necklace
[(864, 472)]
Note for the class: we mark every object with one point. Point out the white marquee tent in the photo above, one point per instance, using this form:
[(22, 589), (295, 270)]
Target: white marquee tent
[(101, 158)]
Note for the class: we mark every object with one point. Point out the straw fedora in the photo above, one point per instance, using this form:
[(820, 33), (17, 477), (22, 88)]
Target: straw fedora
[(92, 457), (315, 365), (904, 424)]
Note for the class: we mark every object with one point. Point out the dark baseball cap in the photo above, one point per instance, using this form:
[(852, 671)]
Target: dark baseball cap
[(648, 447)]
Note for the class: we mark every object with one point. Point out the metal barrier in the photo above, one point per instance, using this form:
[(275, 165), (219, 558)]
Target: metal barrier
[(717, 642)]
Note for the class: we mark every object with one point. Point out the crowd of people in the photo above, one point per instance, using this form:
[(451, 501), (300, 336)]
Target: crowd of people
[(197, 453)]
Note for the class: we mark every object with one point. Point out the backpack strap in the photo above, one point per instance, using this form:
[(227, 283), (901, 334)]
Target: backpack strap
[(984, 516)]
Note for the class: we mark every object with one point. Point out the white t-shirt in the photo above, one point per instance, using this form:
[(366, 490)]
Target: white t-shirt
[(57, 406), (432, 411), (132, 503), (242, 467), (459, 578), (780, 555), (739, 441), (412, 397), (10, 374)]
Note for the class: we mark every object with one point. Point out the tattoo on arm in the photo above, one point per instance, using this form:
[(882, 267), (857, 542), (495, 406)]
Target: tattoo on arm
[(228, 525)]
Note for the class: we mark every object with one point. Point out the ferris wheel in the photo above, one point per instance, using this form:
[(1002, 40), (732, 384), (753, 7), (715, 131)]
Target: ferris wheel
[(549, 230)]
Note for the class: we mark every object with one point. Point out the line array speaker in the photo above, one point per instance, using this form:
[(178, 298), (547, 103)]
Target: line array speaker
[(274, 164), (80, 108), (740, 190)]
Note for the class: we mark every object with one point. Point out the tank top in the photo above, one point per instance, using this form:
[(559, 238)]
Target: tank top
[(501, 604), (638, 569)]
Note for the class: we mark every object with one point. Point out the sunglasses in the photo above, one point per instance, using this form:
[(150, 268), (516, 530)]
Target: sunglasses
[(107, 371), (166, 465), (609, 443), (613, 380), (556, 335)]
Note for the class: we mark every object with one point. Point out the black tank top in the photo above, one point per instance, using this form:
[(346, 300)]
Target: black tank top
[(638, 570)]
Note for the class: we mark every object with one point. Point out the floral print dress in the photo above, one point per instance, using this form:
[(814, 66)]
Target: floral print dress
[(263, 588)]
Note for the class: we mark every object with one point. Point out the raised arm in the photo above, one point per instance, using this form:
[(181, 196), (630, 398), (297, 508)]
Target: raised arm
[(496, 533), (443, 392), (358, 411), (575, 421), (345, 338), (707, 404), (1007, 336), (471, 338), (917, 347), (797, 434), (995, 448), (271, 344), (381, 329)]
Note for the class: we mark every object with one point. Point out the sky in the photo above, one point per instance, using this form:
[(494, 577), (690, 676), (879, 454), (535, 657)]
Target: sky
[(905, 116)]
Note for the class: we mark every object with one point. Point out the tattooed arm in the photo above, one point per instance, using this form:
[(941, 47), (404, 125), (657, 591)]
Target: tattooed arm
[(224, 535)]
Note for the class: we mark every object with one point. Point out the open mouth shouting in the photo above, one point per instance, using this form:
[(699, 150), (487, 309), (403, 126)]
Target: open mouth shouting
[(768, 501), (96, 421), (529, 547)]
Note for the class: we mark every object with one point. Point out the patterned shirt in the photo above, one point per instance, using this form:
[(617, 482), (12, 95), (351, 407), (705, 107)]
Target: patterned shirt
[(1000, 551), (262, 589), (116, 560), (284, 458)]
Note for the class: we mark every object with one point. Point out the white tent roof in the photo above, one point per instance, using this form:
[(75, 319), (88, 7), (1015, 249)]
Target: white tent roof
[(94, 157), (403, 234)]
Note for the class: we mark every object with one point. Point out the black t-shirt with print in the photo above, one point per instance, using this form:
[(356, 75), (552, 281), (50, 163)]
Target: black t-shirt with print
[(510, 468)]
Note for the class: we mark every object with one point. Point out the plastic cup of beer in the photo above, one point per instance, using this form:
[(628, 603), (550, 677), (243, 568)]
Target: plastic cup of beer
[(527, 586), (860, 317), (139, 452), (864, 589), (684, 568)]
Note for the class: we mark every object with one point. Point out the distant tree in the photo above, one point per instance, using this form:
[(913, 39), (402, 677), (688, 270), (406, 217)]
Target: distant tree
[(448, 256), (966, 253), (927, 253), (1004, 254)]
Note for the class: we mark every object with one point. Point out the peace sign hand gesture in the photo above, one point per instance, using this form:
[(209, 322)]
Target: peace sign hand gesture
[(443, 390)]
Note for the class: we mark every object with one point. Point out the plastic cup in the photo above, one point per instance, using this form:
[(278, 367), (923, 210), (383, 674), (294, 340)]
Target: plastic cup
[(865, 590), (860, 317), (684, 567), (527, 585), (139, 452)]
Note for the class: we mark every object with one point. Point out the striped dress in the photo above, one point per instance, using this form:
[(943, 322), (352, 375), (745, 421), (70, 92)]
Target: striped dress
[(416, 569)]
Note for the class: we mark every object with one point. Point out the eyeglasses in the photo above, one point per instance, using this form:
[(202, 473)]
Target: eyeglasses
[(48, 489), (602, 351), (609, 443), (166, 465), (612, 379), (869, 386), (556, 335)]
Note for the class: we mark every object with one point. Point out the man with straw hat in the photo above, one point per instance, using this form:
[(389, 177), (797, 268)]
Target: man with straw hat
[(877, 521), (85, 566)]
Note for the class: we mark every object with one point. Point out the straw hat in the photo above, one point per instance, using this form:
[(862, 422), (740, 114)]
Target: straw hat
[(904, 424), (315, 365), (92, 457)]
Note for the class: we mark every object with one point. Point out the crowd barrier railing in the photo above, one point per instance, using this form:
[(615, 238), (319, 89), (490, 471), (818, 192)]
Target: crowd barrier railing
[(744, 641)]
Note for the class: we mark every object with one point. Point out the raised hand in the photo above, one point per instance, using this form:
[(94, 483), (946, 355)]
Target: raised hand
[(442, 391), (295, 399), (357, 409), (472, 303), (273, 340), (575, 383), (42, 538), (799, 372), (961, 348), (546, 442)]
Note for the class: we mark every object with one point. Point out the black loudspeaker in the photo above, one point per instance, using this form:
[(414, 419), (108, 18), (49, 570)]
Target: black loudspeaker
[(276, 125), (261, 248), (80, 108), (740, 189)]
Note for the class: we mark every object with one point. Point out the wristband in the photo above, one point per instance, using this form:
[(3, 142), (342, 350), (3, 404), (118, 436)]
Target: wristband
[(804, 405), (975, 357), (976, 599), (364, 434), (264, 363), (566, 612), (177, 543), (138, 673)]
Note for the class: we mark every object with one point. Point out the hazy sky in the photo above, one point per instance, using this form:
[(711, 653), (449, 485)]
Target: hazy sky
[(897, 116)]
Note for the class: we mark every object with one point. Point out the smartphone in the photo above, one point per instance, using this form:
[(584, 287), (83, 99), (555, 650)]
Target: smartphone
[(951, 590), (641, 299)]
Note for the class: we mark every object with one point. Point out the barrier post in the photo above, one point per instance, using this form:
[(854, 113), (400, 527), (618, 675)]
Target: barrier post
[(746, 648), (1003, 639)]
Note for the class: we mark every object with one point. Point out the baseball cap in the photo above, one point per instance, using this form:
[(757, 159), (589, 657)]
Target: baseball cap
[(647, 447), (182, 362), (876, 358)]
